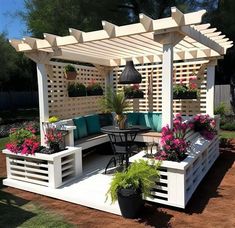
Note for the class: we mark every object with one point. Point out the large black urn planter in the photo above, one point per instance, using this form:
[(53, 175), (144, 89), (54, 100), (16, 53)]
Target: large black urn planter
[(130, 202)]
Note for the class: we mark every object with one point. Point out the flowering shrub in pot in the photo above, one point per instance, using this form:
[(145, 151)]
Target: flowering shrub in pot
[(133, 92), (54, 139), (173, 141), (184, 91), (23, 140), (205, 125)]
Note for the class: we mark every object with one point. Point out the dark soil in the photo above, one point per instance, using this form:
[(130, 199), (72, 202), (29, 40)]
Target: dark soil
[(212, 205)]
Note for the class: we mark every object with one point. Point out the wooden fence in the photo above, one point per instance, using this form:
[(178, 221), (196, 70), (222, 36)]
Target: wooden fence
[(14, 100), (222, 94)]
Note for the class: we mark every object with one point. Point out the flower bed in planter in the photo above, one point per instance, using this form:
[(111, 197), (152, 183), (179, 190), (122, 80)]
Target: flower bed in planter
[(52, 170), (179, 180)]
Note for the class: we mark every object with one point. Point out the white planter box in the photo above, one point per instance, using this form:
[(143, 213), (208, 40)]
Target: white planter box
[(179, 180), (52, 170)]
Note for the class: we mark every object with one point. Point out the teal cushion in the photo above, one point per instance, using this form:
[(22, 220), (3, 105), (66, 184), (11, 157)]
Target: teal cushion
[(152, 120), (143, 119), (133, 118), (75, 134), (80, 123), (93, 124)]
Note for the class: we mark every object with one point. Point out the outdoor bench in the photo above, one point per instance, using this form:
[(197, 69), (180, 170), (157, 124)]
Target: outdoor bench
[(84, 131)]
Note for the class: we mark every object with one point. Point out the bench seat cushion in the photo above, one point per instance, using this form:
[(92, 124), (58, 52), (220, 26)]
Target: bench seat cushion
[(93, 124), (81, 127)]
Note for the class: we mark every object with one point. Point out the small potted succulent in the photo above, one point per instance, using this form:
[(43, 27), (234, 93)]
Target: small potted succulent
[(76, 90), (133, 92), (184, 91), (130, 187), (70, 72), (94, 89)]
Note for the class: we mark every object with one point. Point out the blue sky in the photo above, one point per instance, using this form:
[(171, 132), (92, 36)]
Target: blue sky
[(9, 23)]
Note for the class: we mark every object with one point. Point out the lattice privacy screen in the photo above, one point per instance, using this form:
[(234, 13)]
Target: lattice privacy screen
[(182, 71), (67, 107)]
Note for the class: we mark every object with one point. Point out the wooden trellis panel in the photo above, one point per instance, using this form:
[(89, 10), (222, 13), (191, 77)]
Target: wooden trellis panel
[(182, 71), (67, 107)]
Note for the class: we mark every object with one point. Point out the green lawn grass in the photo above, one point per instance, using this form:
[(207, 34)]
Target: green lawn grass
[(17, 212), (227, 134), (3, 142)]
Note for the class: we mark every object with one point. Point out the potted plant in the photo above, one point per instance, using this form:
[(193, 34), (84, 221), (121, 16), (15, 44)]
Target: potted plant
[(70, 72), (133, 92), (94, 89), (131, 186), (54, 139), (76, 90), (173, 141), (115, 102), (183, 91), (205, 125)]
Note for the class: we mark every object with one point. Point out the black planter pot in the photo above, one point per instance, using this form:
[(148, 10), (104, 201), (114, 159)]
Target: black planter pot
[(96, 92), (134, 95), (130, 202), (186, 95)]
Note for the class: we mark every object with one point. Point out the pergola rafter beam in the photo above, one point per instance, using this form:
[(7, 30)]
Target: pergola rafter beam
[(196, 35)]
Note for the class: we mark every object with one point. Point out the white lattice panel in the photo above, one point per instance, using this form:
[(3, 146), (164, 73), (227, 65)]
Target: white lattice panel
[(182, 71), (66, 107)]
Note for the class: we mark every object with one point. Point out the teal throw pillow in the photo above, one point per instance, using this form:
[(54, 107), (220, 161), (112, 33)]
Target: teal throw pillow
[(93, 124), (80, 123)]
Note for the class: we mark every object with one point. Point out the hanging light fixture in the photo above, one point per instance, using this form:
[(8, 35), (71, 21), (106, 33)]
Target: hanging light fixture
[(130, 75)]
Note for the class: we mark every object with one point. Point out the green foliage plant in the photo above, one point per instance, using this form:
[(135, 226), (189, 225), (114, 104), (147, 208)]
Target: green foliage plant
[(221, 109), (53, 119), (76, 89), (140, 175), (70, 68)]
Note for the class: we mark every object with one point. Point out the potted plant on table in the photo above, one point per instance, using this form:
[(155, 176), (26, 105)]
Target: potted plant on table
[(133, 92), (115, 102), (70, 72), (131, 186), (94, 89)]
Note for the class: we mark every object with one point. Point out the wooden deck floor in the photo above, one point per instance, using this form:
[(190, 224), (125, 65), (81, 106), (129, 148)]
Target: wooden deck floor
[(89, 190)]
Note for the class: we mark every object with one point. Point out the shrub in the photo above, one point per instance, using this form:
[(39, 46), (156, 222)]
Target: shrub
[(228, 126), (221, 109), (140, 175)]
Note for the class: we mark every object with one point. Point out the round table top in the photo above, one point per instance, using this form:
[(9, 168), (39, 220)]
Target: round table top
[(130, 129)]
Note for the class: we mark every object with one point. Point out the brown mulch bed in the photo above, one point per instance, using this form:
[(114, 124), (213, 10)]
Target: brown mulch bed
[(212, 205)]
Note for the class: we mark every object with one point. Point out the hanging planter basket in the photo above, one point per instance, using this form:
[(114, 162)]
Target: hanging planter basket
[(185, 95), (133, 95), (71, 75)]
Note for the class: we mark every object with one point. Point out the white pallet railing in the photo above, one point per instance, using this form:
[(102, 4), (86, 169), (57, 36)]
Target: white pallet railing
[(51, 170)]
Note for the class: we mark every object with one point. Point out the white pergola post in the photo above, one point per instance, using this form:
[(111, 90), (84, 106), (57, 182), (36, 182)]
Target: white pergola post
[(43, 97), (167, 85), (210, 88)]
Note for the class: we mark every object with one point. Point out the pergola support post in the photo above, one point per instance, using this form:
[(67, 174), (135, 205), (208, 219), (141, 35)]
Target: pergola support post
[(210, 88), (167, 85), (43, 97)]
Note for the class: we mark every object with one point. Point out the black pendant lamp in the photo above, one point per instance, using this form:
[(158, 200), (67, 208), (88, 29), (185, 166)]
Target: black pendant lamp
[(130, 75)]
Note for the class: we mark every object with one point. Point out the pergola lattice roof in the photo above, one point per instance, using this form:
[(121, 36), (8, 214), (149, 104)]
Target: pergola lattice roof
[(142, 42)]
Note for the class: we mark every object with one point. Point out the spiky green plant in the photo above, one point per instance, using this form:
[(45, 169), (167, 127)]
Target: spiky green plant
[(114, 102), (139, 175)]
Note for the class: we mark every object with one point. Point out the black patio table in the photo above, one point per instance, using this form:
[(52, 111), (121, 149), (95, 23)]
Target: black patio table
[(126, 138)]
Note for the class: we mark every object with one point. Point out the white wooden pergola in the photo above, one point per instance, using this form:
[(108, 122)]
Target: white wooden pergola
[(180, 37)]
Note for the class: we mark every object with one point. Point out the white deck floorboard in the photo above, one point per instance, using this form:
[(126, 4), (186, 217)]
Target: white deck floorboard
[(89, 190)]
